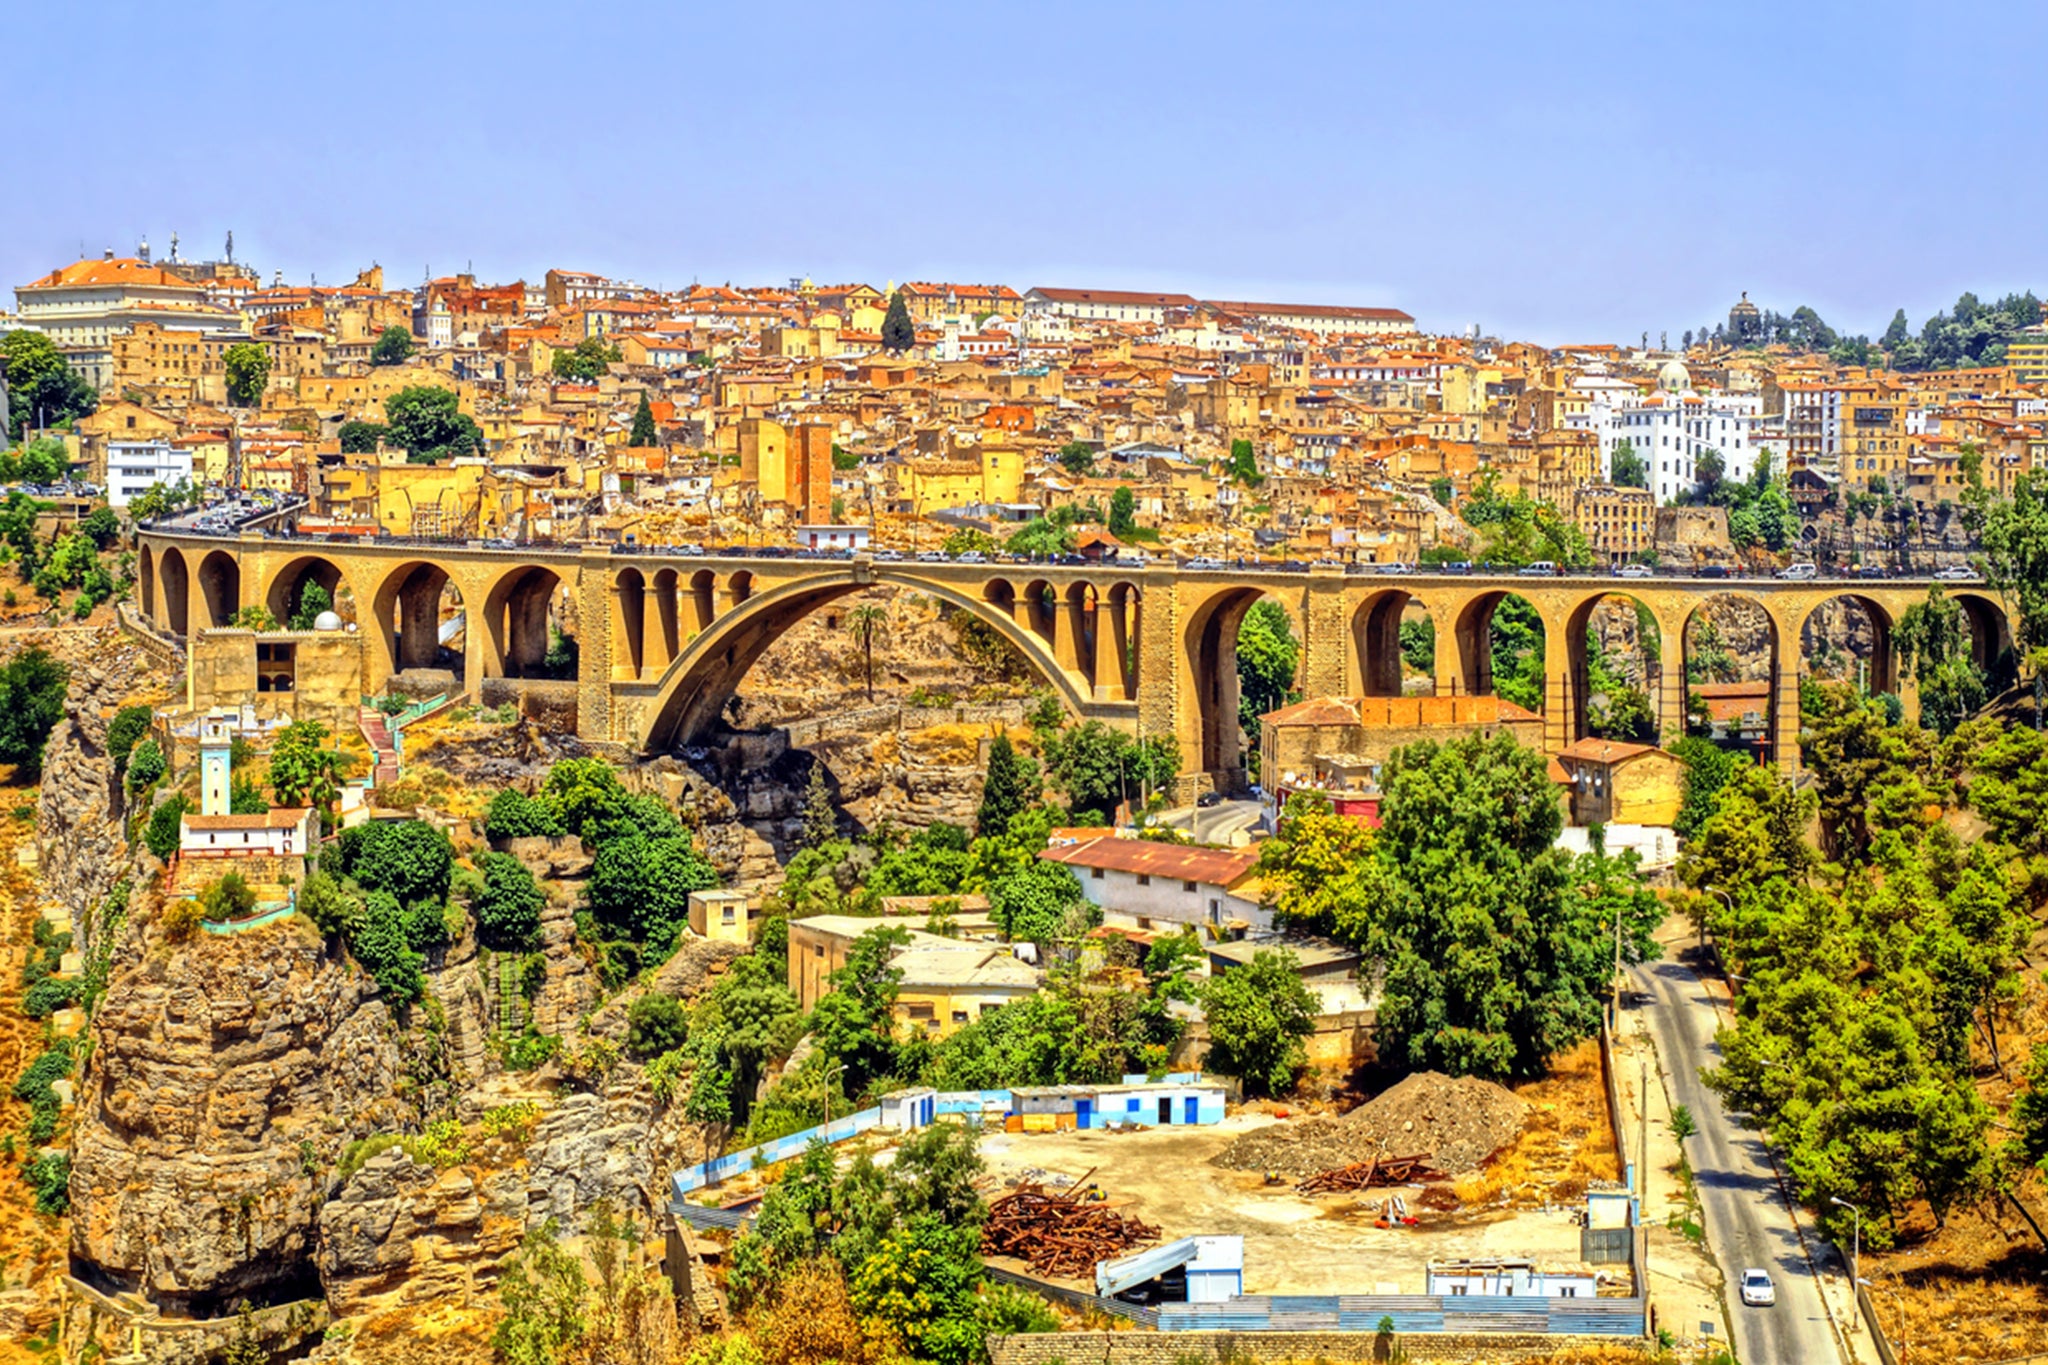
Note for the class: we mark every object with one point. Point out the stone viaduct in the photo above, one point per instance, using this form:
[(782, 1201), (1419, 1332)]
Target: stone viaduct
[(664, 638)]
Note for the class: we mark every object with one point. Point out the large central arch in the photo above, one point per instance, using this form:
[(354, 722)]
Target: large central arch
[(696, 687), (1211, 739)]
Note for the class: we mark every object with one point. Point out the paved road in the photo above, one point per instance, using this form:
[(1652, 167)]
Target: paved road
[(1748, 1220)]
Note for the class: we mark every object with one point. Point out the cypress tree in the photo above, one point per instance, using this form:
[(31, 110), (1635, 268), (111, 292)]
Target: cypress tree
[(821, 822), (898, 333), (643, 425), (1009, 788)]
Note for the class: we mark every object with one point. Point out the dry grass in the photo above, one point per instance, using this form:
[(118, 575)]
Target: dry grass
[(1567, 1142), (32, 1247)]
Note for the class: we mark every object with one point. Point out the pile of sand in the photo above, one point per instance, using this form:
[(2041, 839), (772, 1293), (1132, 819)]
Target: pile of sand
[(1461, 1123)]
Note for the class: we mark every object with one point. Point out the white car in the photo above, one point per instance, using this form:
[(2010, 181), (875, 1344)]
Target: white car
[(1799, 572), (1205, 563), (1757, 1289), (1956, 573), (1634, 571)]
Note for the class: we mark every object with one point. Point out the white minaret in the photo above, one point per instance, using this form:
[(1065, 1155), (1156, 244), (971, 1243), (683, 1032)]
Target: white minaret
[(216, 747)]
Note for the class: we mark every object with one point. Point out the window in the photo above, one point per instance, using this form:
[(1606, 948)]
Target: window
[(818, 949), (1457, 1291), (1095, 874), (1187, 886), (1144, 879)]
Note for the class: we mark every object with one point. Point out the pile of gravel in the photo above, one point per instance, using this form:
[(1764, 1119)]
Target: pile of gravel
[(1461, 1123)]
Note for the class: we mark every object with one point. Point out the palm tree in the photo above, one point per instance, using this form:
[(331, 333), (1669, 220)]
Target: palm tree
[(864, 623)]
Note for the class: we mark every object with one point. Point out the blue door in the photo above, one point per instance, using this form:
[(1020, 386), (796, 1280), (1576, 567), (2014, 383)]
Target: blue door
[(1191, 1109), (1084, 1113)]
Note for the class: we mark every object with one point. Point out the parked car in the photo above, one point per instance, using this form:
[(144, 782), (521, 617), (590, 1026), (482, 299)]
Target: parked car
[(1634, 571), (1956, 573), (931, 557), (1542, 568), (1872, 571), (1205, 563), (971, 557), (1455, 566), (1800, 572), (1397, 566), (888, 556), (1209, 799), (1757, 1289), (1715, 571), (692, 550), (1131, 562)]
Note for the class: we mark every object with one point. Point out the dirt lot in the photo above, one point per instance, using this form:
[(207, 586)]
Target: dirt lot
[(1293, 1244)]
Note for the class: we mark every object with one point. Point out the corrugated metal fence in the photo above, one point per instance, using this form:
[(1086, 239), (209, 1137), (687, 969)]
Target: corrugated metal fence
[(768, 1153)]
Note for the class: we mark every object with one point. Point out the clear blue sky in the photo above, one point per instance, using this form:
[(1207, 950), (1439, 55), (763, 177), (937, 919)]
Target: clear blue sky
[(1555, 171)]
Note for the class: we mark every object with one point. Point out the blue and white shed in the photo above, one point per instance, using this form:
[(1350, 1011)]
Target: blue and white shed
[(906, 1110)]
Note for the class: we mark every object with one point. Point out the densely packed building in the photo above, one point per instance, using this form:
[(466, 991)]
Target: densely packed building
[(608, 410)]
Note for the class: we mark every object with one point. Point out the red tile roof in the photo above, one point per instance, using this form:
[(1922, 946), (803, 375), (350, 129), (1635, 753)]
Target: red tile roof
[(1215, 866)]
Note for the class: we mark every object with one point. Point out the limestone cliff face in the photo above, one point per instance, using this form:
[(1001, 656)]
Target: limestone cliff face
[(78, 832), (225, 1077), (398, 1234)]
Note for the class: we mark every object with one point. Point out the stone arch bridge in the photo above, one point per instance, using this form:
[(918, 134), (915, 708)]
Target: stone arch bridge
[(664, 638)]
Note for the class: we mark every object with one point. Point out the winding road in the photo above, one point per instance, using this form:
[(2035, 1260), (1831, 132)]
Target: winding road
[(1749, 1221)]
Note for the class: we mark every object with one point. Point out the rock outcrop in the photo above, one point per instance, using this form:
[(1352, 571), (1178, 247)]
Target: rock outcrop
[(398, 1234), (224, 1080)]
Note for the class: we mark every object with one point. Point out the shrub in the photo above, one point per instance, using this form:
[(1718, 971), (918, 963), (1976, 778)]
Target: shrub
[(145, 765), (127, 727), (508, 904), (531, 1050), (164, 829), (382, 946), (656, 1024), (408, 858), (665, 1074), (515, 815), (181, 920), (228, 899), (324, 901), (48, 996), (49, 1175)]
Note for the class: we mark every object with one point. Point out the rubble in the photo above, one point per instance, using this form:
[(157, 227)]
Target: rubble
[(1461, 1122)]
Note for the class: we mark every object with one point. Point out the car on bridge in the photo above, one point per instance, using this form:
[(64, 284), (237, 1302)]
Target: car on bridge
[(931, 556), (1798, 572), (1541, 568), (888, 556), (1397, 566), (1956, 573), (1634, 571), (1205, 563), (971, 557)]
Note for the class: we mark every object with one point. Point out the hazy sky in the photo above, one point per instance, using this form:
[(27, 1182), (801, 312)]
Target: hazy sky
[(1555, 171)]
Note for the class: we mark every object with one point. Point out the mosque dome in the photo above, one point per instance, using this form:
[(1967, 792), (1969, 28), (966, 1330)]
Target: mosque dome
[(327, 620), (1674, 377)]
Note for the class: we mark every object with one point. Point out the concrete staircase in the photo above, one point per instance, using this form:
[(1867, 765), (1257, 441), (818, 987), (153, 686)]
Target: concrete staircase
[(378, 732)]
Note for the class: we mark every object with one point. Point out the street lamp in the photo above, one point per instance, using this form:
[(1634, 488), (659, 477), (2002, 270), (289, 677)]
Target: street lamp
[(1856, 1246)]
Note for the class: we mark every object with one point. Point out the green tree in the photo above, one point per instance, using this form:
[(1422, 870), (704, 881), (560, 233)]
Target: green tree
[(1707, 769), (643, 433), (513, 814), (855, 1024), (101, 526), (1934, 641), (248, 373), (1035, 904), (161, 835), (1267, 655), (866, 622), (656, 1023), (410, 859), (303, 770), (129, 725), (314, 598), (640, 887), (1040, 539), (1442, 490), (32, 688), (1009, 787), (1493, 956), (1626, 469), (1097, 767), (750, 1018), (821, 818), (1244, 464), (899, 334), (543, 1289), (361, 438), (508, 905), (1259, 1014), (43, 391), (590, 359), (229, 898), (426, 423), (1078, 458), (1123, 513), (394, 346)]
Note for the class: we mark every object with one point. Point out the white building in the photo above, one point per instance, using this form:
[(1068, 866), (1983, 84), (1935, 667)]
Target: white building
[(822, 537), (132, 466), (217, 833), (1105, 305), (1146, 885), (83, 306), (1671, 428)]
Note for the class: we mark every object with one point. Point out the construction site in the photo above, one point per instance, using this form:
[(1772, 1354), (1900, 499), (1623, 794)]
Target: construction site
[(1432, 1171)]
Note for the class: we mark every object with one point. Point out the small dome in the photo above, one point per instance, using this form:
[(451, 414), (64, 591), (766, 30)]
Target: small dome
[(1674, 377), (327, 620)]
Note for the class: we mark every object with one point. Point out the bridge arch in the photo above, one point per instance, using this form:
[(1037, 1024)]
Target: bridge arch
[(287, 586), (629, 624), (220, 588), (1990, 636), (518, 610), (1882, 657), (1715, 677), (145, 578), (1211, 732), (1475, 634), (174, 585), (406, 609), (1378, 659), (1579, 641), (695, 688)]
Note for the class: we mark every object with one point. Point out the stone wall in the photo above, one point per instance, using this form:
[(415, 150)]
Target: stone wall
[(1186, 1348)]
